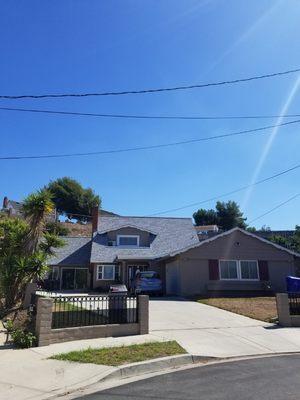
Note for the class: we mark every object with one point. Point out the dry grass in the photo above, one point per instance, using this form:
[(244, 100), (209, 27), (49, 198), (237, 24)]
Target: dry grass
[(80, 230), (261, 308), (123, 355)]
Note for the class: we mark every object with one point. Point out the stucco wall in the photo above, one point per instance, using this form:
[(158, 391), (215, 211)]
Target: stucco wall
[(238, 246), (192, 269)]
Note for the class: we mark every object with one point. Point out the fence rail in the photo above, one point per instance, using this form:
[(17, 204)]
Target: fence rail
[(73, 311), (294, 303)]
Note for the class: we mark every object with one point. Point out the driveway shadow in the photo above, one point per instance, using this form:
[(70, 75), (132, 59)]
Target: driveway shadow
[(166, 298)]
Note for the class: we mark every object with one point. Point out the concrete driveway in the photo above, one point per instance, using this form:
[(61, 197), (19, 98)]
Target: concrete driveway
[(209, 331)]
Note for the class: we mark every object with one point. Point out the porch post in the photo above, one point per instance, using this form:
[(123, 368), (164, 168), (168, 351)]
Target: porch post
[(91, 271), (124, 274)]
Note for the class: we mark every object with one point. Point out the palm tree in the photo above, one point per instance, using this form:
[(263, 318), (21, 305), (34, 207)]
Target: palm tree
[(36, 207)]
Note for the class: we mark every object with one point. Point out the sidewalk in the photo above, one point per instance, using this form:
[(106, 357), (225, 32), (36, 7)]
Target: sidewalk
[(27, 374), (200, 329)]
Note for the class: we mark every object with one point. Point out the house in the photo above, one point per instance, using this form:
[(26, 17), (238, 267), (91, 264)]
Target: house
[(206, 231), (13, 208), (234, 261)]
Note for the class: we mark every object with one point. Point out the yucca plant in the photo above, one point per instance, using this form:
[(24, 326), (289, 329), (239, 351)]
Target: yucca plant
[(24, 248), (36, 207)]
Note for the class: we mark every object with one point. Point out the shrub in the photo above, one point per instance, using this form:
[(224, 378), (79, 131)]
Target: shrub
[(57, 228), (9, 325), (23, 339)]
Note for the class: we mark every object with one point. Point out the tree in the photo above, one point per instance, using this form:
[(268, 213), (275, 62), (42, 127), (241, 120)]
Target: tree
[(230, 215), (265, 228), (226, 216), (205, 217), (24, 249), (291, 242), (72, 199)]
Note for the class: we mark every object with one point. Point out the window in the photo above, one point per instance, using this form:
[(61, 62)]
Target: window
[(105, 272), (228, 270), (54, 274), (128, 240), (238, 270), (249, 270)]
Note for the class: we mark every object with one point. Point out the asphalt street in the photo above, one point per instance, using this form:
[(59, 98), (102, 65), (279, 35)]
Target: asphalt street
[(271, 378)]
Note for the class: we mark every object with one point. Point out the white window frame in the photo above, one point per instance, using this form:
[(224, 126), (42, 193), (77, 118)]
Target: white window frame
[(257, 269), (129, 236), (102, 266), (239, 272)]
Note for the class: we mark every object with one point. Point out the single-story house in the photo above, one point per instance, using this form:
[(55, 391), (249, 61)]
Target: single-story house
[(232, 261)]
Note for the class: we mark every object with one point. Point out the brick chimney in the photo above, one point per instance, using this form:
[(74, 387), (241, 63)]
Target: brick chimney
[(95, 218), (5, 202)]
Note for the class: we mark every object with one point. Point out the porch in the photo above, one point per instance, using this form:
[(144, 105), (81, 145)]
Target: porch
[(98, 277)]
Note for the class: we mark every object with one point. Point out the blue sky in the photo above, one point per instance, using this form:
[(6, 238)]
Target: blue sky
[(82, 46)]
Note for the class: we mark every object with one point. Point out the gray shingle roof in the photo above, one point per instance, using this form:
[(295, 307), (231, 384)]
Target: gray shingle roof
[(172, 234), (77, 251)]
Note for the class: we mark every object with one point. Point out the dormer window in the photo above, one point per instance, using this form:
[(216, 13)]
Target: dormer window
[(128, 240)]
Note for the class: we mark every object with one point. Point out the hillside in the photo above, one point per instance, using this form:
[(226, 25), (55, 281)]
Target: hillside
[(78, 229)]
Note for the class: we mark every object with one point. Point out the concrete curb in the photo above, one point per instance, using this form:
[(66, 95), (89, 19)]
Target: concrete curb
[(163, 365), (132, 370), (158, 364)]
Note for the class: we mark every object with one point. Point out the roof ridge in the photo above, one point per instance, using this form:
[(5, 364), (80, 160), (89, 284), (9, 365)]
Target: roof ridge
[(138, 216), (76, 237)]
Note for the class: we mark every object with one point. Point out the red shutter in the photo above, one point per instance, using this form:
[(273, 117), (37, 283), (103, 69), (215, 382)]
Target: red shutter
[(213, 267), (263, 270)]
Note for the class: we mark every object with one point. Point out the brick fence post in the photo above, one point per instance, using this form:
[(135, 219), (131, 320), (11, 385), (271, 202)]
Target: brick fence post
[(283, 309), (43, 321), (143, 314)]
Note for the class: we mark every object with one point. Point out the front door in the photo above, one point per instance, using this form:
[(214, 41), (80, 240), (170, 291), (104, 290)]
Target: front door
[(74, 279)]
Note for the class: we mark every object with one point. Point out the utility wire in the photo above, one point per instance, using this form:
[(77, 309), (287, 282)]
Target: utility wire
[(154, 90), (136, 116), (139, 148), (228, 193), (275, 208)]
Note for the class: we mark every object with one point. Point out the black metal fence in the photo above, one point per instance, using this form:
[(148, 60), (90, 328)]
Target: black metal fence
[(73, 311), (294, 302), (51, 285)]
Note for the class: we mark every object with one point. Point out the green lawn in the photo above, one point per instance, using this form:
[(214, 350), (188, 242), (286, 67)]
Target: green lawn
[(65, 306), (115, 356)]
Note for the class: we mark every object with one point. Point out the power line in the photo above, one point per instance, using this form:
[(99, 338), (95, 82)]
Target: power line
[(228, 193), (136, 116), (157, 146), (153, 90), (275, 208)]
